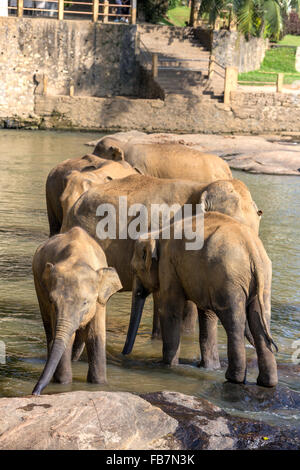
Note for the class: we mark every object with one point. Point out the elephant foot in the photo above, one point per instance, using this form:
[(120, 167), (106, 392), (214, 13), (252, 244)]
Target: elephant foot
[(62, 379), (171, 362), (236, 377), (212, 364), (267, 381), (96, 379)]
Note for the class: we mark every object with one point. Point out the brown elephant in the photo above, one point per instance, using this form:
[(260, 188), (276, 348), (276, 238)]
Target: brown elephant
[(147, 191), (60, 176), (230, 275), (73, 284), (165, 160), (77, 182)]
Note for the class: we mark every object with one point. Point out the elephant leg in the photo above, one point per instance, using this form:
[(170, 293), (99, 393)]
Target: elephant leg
[(63, 373), (208, 339), (156, 331), (234, 322), (78, 345), (265, 357), (190, 315), (96, 347), (170, 321)]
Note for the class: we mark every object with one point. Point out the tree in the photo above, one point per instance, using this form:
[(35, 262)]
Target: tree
[(155, 9), (254, 17), (195, 7)]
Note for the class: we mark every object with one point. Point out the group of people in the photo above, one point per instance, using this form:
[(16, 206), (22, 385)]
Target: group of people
[(49, 7), (121, 10)]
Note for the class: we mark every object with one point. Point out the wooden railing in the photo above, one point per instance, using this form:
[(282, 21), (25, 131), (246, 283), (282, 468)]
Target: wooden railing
[(96, 10), (278, 80)]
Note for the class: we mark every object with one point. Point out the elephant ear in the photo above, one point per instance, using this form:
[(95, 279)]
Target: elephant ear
[(117, 154), (204, 201), (45, 276), (149, 252), (220, 199), (109, 284)]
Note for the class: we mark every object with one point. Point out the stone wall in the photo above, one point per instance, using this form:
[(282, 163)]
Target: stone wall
[(255, 113), (231, 48), (99, 59)]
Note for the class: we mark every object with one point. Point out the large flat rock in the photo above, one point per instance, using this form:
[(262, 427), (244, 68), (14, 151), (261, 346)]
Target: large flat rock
[(81, 421), (277, 155), (118, 420)]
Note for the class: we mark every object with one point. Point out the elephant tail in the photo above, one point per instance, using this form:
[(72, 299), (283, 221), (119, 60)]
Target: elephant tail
[(259, 277)]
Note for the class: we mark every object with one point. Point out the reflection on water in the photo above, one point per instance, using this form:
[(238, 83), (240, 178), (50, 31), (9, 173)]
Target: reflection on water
[(26, 158)]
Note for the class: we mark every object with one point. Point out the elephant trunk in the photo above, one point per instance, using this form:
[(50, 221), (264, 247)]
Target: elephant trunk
[(139, 296), (62, 338)]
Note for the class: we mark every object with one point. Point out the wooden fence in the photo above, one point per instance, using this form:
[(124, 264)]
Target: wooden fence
[(95, 10)]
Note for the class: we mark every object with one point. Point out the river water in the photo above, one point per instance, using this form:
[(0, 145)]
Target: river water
[(26, 158)]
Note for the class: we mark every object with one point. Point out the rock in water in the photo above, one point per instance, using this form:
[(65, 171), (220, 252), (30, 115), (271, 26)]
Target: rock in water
[(81, 421), (118, 420)]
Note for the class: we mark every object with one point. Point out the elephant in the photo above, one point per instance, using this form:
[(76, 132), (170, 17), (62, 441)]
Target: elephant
[(73, 284), (230, 275), (148, 190), (77, 182), (59, 177), (165, 160)]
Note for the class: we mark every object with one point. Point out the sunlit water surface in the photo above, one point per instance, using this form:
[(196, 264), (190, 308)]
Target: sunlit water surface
[(26, 158)]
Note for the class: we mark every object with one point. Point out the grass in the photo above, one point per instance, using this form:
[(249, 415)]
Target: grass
[(290, 40), (276, 60), (179, 16)]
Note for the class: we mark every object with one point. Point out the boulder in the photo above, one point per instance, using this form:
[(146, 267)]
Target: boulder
[(204, 426), (123, 421), (81, 421)]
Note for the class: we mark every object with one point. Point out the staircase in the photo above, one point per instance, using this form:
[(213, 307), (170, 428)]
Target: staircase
[(182, 62)]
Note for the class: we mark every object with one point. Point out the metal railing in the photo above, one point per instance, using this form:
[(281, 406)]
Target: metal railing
[(96, 10)]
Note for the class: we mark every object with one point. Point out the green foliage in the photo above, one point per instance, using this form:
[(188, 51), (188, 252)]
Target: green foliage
[(276, 60), (290, 40), (254, 17), (174, 3), (179, 16), (155, 9)]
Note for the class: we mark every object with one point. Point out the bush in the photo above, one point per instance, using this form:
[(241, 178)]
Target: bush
[(174, 3), (292, 24), (155, 9)]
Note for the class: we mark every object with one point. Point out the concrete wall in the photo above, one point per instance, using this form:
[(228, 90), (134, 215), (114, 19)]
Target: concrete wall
[(99, 59), (231, 48), (256, 113)]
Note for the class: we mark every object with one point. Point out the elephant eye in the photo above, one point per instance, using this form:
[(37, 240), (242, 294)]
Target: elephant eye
[(85, 302)]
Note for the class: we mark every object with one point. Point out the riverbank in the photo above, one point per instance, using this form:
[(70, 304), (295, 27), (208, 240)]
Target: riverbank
[(275, 155), (124, 421)]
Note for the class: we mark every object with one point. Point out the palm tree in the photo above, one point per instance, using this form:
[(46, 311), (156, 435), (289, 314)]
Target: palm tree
[(195, 6), (254, 17)]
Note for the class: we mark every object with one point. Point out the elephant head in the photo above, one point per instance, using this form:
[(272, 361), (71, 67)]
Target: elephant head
[(76, 183), (144, 265), (233, 198), (110, 149), (73, 291)]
